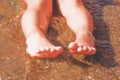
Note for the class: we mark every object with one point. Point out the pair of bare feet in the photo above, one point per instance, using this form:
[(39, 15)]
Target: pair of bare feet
[(35, 22)]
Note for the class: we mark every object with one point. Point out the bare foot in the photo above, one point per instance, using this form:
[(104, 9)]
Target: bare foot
[(84, 44), (40, 47)]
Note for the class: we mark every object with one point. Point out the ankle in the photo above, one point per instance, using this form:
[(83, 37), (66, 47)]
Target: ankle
[(84, 31)]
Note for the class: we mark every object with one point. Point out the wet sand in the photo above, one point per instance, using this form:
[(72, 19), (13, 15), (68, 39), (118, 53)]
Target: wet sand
[(15, 64)]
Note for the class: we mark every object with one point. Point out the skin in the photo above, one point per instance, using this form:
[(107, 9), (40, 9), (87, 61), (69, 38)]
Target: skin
[(35, 22)]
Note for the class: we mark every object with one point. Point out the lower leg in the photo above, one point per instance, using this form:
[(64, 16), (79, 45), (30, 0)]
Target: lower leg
[(80, 21), (35, 24)]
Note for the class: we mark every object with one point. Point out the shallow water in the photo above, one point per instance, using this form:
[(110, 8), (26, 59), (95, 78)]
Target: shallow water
[(15, 64)]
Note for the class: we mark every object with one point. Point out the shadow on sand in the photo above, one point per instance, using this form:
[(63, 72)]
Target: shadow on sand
[(105, 51)]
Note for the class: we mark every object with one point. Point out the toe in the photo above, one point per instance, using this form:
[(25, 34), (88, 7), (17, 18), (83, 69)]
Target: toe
[(72, 45), (43, 52), (52, 50), (47, 49), (85, 49), (80, 49), (91, 51), (59, 49)]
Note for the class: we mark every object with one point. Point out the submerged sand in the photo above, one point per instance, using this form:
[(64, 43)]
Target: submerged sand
[(15, 64)]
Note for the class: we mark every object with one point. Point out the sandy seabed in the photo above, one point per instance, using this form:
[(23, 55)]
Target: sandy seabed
[(15, 64)]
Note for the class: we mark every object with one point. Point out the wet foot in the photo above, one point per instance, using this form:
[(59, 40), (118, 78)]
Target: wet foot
[(40, 47), (84, 44)]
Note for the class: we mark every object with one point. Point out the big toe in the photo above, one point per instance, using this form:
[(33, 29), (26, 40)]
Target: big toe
[(72, 46)]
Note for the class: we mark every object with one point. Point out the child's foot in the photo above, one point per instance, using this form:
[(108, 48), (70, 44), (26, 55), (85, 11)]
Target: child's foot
[(39, 47), (84, 44)]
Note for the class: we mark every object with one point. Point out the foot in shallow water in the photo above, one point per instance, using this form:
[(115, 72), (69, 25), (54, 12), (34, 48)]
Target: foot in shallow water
[(84, 44), (39, 47)]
